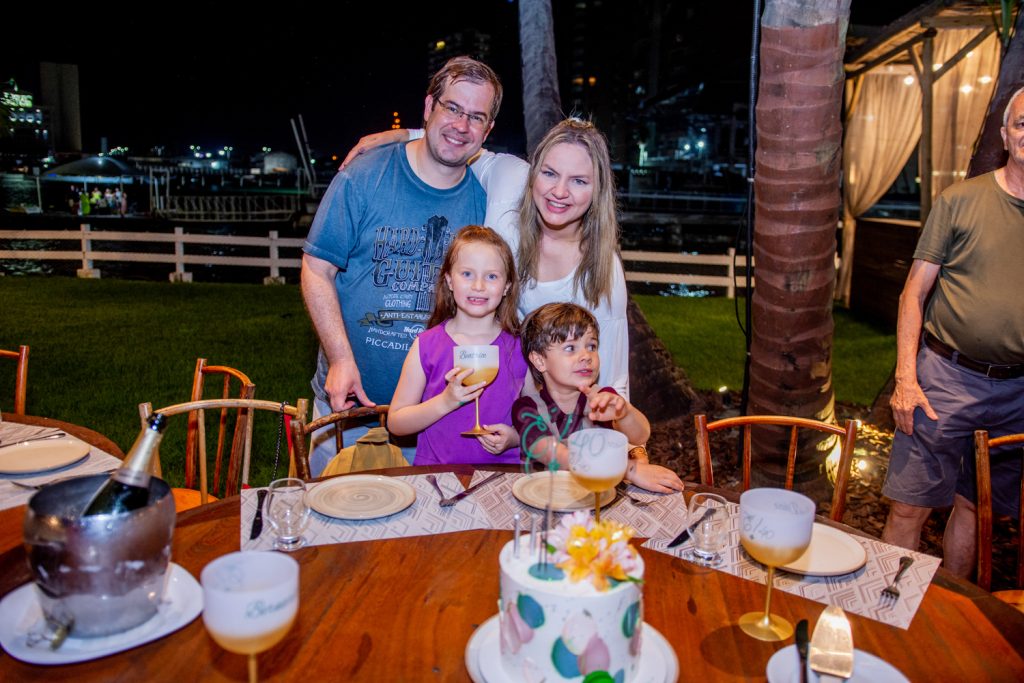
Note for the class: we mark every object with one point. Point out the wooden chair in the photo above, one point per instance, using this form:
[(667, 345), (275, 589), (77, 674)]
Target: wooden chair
[(20, 378), (847, 435), (186, 498), (246, 390), (338, 419), (982, 445)]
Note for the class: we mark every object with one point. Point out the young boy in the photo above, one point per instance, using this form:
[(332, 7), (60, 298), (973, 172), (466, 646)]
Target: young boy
[(560, 344)]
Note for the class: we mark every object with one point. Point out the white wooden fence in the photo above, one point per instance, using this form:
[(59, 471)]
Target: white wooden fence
[(729, 278), (88, 255)]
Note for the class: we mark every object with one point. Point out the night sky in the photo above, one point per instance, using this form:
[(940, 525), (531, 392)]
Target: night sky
[(214, 73)]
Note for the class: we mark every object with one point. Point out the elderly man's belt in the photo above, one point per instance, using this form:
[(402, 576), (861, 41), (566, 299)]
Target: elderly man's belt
[(993, 370)]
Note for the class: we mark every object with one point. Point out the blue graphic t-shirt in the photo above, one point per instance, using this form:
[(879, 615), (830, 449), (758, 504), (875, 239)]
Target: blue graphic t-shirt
[(387, 231)]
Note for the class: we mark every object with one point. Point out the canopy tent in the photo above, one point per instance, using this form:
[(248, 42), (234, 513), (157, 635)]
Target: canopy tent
[(927, 77), (96, 170)]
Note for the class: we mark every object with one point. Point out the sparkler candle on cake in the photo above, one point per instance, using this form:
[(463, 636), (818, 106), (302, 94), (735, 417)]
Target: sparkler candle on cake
[(579, 616)]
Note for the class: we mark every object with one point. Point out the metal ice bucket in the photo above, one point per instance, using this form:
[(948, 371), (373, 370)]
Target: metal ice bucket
[(102, 574)]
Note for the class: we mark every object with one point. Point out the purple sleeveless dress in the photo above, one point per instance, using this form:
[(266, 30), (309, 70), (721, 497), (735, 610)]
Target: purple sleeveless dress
[(441, 442)]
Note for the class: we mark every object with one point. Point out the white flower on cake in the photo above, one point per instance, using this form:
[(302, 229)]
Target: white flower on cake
[(599, 551)]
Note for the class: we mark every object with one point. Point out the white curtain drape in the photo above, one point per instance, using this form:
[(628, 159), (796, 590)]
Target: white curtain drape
[(883, 125), (960, 99)]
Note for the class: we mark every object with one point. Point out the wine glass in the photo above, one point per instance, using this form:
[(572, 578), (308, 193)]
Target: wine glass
[(709, 519), (597, 460), (483, 361), (250, 600), (287, 512), (775, 529)]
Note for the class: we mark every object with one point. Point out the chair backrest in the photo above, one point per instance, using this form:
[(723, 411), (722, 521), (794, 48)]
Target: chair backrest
[(982, 445), (245, 390), (20, 378), (338, 419), (847, 435), (297, 413)]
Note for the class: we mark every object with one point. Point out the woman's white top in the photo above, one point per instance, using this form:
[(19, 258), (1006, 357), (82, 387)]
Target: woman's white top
[(504, 178)]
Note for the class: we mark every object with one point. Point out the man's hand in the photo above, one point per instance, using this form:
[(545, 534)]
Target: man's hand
[(906, 397), (343, 380), (501, 438), (368, 142)]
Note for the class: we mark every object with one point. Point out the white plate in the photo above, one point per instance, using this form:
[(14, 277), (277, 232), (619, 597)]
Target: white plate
[(658, 662), (830, 553), (22, 615), (361, 496), (41, 456), (566, 494), (783, 667)]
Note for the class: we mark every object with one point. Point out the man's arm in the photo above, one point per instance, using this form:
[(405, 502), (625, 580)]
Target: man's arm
[(321, 300), (908, 394)]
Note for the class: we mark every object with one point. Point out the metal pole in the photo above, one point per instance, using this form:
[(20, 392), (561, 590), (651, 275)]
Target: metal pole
[(927, 115), (755, 46)]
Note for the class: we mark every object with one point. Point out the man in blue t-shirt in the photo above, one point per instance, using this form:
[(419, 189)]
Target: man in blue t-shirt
[(380, 235)]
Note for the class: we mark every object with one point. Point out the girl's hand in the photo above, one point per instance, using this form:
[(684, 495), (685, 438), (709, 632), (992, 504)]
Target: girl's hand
[(501, 438), (457, 394), (655, 478), (605, 406)]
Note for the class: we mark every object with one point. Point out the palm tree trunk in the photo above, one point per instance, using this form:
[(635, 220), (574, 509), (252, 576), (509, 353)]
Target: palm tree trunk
[(797, 208), (542, 106)]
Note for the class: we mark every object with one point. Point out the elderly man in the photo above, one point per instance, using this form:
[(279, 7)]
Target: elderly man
[(380, 235), (968, 371)]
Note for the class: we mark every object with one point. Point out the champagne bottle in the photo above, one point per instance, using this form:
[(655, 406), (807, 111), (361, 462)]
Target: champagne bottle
[(128, 487)]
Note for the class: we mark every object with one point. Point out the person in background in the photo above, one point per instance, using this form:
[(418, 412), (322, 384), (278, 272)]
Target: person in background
[(960, 355)]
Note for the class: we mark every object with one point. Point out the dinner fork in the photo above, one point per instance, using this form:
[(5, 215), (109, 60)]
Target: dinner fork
[(433, 480), (637, 502), (891, 593)]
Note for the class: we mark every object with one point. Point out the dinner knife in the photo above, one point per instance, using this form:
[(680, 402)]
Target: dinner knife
[(257, 521), (832, 645), (801, 648), (685, 534), (474, 487)]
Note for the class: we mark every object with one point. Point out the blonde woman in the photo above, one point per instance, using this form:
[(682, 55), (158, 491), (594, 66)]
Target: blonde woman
[(568, 246), (562, 229)]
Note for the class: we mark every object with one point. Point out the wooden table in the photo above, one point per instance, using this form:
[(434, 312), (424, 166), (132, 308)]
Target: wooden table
[(10, 519), (84, 433), (404, 609)]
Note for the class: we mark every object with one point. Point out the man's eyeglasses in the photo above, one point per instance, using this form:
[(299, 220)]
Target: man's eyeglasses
[(454, 112)]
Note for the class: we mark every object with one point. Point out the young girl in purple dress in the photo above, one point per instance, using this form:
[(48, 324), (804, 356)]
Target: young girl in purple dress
[(474, 304)]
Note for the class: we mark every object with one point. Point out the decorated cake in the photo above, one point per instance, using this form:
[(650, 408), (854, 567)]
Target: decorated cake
[(578, 616)]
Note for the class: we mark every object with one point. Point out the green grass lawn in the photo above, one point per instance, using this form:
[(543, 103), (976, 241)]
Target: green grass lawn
[(705, 340), (100, 347)]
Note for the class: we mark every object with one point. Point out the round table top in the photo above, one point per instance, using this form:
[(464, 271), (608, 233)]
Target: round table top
[(404, 609), (87, 435), (10, 519)]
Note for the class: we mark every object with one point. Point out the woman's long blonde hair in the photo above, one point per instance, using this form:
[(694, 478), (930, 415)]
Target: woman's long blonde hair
[(599, 229)]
